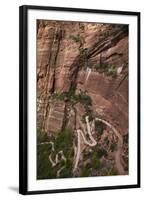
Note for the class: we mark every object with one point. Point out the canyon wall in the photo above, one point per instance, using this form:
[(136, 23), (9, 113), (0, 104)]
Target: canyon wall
[(71, 55)]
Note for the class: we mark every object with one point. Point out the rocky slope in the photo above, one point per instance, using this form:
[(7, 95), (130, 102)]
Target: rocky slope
[(82, 70)]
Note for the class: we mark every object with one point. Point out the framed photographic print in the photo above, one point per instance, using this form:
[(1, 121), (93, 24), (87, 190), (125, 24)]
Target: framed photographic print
[(79, 99)]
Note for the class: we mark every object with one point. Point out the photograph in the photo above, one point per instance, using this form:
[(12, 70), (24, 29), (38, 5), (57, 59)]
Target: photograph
[(82, 71), (79, 99)]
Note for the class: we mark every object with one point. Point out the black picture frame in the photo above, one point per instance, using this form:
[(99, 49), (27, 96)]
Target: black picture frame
[(23, 95)]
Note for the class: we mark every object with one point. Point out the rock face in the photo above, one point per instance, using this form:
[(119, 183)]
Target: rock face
[(82, 97), (55, 117), (69, 54)]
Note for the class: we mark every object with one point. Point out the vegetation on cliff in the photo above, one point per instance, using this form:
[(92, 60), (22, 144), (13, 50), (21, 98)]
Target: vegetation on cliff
[(62, 141)]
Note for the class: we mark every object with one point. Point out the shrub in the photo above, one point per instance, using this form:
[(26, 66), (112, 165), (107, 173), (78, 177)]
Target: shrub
[(112, 71), (106, 141), (63, 95), (64, 141), (67, 172), (82, 51), (41, 136), (78, 39), (105, 34), (84, 172), (81, 26), (104, 67), (85, 99), (106, 172), (75, 98), (101, 152), (96, 164), (113, 147), (113, 172), (125, 138), (55, 95), (99, 126), (89, 113)]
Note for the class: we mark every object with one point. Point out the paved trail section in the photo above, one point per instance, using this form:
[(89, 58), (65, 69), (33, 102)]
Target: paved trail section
[(81, 137), (57, 160), (81, 134), (119, 146)]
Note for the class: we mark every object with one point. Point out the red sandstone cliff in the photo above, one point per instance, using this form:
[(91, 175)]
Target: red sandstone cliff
[(62, 63)]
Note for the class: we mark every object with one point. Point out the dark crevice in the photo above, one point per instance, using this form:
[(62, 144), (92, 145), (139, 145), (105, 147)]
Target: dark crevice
[(107, 44), (75, 117), (57, 41), (114, 54), (65, 118), (121, 81)]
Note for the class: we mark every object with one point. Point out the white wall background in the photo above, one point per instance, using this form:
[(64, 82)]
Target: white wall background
[(9, 50)]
